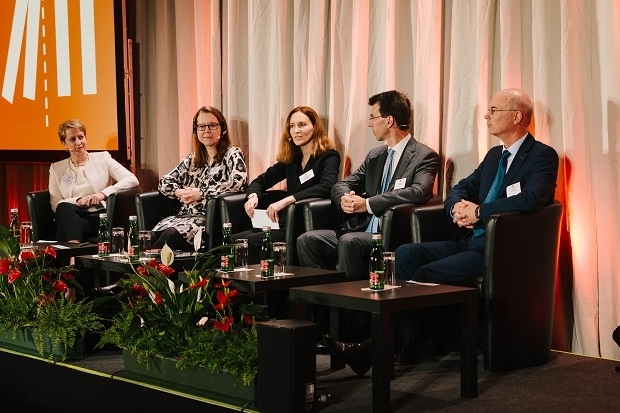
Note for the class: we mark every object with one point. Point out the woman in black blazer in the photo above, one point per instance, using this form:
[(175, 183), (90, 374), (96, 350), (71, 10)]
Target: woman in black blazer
[(309, 163)]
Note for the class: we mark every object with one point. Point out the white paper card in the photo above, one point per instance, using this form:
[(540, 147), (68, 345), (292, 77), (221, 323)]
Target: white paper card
[(261, 219), (305, 177), (400, 183), (513, 189)]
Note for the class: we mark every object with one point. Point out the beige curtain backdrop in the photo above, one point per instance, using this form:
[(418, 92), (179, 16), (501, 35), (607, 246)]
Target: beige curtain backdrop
[(256, 60)]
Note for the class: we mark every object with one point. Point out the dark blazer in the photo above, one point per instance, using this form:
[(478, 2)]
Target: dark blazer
[(325, 168), (535, 167), (418, 164)]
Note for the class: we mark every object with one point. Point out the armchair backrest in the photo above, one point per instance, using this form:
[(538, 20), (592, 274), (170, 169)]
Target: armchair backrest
[(520, 265), (120, 206), (41, 215)]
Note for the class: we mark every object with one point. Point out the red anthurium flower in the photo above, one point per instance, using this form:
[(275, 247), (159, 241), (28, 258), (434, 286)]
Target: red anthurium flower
[(248, 320), (26, 255), (222, 300), (223, 326), (139, 289), (141, 271), (59, 286), (46, 276), (50, 251), (223, 284), (158, 299), (67, 275), (14, 274), (153, 263), (199, 284), (4, 265), (165, 269)]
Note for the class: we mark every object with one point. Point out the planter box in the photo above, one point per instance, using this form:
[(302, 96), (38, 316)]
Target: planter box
[(24, 343), (196, 380)]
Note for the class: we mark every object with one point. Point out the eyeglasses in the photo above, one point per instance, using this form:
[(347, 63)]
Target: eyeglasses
[(371, 118), (211, 126), (493, 110)]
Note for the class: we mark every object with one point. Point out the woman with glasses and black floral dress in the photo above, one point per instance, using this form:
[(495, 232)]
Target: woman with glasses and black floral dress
[(213, 167)]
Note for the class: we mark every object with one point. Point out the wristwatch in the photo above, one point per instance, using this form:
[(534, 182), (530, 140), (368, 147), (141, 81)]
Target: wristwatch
[(477, 212), (252, 195)]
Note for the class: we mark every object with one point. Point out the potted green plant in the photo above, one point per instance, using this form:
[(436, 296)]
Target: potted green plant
[(42, 307), (195, 321)]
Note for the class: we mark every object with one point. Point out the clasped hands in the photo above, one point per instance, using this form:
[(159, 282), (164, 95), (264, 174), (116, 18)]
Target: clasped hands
[(464, 214), (351, 203), (90, 200), (188, 196)]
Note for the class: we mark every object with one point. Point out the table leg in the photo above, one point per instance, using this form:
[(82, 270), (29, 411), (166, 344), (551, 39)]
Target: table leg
[(469, 348), (382, 361), (336, 330)]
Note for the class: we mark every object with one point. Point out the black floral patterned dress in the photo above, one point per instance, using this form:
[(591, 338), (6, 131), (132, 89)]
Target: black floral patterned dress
[(228, 175)]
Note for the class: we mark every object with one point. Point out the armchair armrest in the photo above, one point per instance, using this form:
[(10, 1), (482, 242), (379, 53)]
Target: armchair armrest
[(120, 205), (395, 219), (295, 226), (321, 214), (152, 207), (430, 223)]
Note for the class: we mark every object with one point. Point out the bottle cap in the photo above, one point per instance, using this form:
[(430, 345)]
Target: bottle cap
[(376, 236), (266, 228), (227, 225), (103, 215), (13, 210), (133, 218)]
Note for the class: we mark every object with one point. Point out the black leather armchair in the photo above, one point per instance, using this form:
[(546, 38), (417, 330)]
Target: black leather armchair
[(232, 211), (323, 214), (152, 207), (518, 285), (119, 206)]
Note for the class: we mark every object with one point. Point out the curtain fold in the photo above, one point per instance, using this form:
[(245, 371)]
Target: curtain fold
[(257, 59)]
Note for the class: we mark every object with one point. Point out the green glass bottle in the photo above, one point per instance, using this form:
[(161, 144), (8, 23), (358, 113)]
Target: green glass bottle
[(375, 266), (266, 253), (228, 254), (103, 237), (134, 238), (14, 225)]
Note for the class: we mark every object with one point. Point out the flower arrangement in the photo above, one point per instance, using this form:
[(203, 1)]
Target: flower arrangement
[(194, 318), (34, 294)]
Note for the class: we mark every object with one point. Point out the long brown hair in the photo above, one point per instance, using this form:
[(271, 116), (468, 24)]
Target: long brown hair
[(320, 142), (200, 151)]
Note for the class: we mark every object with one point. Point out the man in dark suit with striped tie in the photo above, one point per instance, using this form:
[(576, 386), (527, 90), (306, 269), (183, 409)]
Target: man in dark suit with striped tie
[(519, 175), (402, 170)]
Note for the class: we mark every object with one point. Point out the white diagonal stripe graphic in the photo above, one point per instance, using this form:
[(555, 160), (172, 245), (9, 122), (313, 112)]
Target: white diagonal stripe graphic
[(89, 66), (32, 46), (15, 44), (63, 68)]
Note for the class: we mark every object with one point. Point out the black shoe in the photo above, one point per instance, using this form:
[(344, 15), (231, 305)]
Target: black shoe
[(355, 355), (111, 289)]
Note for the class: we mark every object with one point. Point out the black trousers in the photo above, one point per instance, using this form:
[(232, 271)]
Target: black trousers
[(75, 223)]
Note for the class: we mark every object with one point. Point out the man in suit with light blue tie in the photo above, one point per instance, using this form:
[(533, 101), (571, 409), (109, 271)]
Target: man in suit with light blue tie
[(401, 171), (519, 175)]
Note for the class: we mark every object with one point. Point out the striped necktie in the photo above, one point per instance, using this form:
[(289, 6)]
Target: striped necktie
[(497, 183), (373, 225)]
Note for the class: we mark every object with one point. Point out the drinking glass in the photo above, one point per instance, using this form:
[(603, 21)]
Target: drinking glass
[(389, 271), (241, 253), (118, 240), (279, 256), (145, 243), (26, 234)]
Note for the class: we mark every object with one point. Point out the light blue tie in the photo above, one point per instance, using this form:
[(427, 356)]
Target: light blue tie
[(497, 182), (373, 225)]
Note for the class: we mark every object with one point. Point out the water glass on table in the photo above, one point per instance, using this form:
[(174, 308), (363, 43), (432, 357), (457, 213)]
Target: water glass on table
[(26, 234), (118, 240), (279, 257), (144, 237), (241, 253), (390, 269)]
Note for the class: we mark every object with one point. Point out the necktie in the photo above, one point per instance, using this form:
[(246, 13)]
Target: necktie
[(497, 182), (373, 225)]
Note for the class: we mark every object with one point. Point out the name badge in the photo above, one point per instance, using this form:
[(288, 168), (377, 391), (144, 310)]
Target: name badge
[(67, 179), (215, 170), (513, 189), (400, 183), (307, 176)]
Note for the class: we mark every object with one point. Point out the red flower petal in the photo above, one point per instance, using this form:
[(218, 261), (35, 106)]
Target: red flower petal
[(59, 286), (47, 277), (50, 251), (153, 263), (67, 275), (4, 265), (158, 299), (14, 274), (199, 284), (141, 270), (223, 326), (223, 284), (26, 255), (165, 269)]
